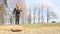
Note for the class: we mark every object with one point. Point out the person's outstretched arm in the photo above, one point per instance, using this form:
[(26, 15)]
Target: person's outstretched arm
[(14, 10)]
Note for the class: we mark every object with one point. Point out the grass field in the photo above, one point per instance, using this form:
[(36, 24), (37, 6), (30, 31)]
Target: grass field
[(42, 28)]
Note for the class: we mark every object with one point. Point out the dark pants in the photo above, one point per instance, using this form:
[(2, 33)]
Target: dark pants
[(17, 19)]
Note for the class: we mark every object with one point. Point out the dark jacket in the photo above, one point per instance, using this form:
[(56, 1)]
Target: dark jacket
[(17, 11)]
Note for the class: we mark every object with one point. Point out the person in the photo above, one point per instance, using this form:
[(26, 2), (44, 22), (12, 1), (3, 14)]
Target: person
[(17, 11)]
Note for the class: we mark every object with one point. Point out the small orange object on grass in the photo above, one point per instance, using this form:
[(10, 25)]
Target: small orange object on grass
[(17, 29)]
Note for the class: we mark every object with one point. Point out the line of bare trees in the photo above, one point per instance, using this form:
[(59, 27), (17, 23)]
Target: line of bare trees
[(50, 14)]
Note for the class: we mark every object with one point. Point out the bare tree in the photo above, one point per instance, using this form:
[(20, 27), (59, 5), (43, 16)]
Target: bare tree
[(5, 2), (47, 15), (29, 18), (34, 9), (38, 15), (42, 14), (2, 13), (50, 14)]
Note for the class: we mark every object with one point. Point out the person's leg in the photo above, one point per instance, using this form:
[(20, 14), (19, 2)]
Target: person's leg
[(18, 20)]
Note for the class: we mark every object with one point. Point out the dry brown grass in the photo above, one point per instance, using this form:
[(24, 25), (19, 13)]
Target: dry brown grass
[(31, 29)]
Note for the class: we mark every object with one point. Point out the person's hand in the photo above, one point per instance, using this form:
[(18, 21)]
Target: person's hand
[(20, 10)]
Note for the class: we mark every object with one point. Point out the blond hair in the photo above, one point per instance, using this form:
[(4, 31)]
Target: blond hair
[(18, 6)]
